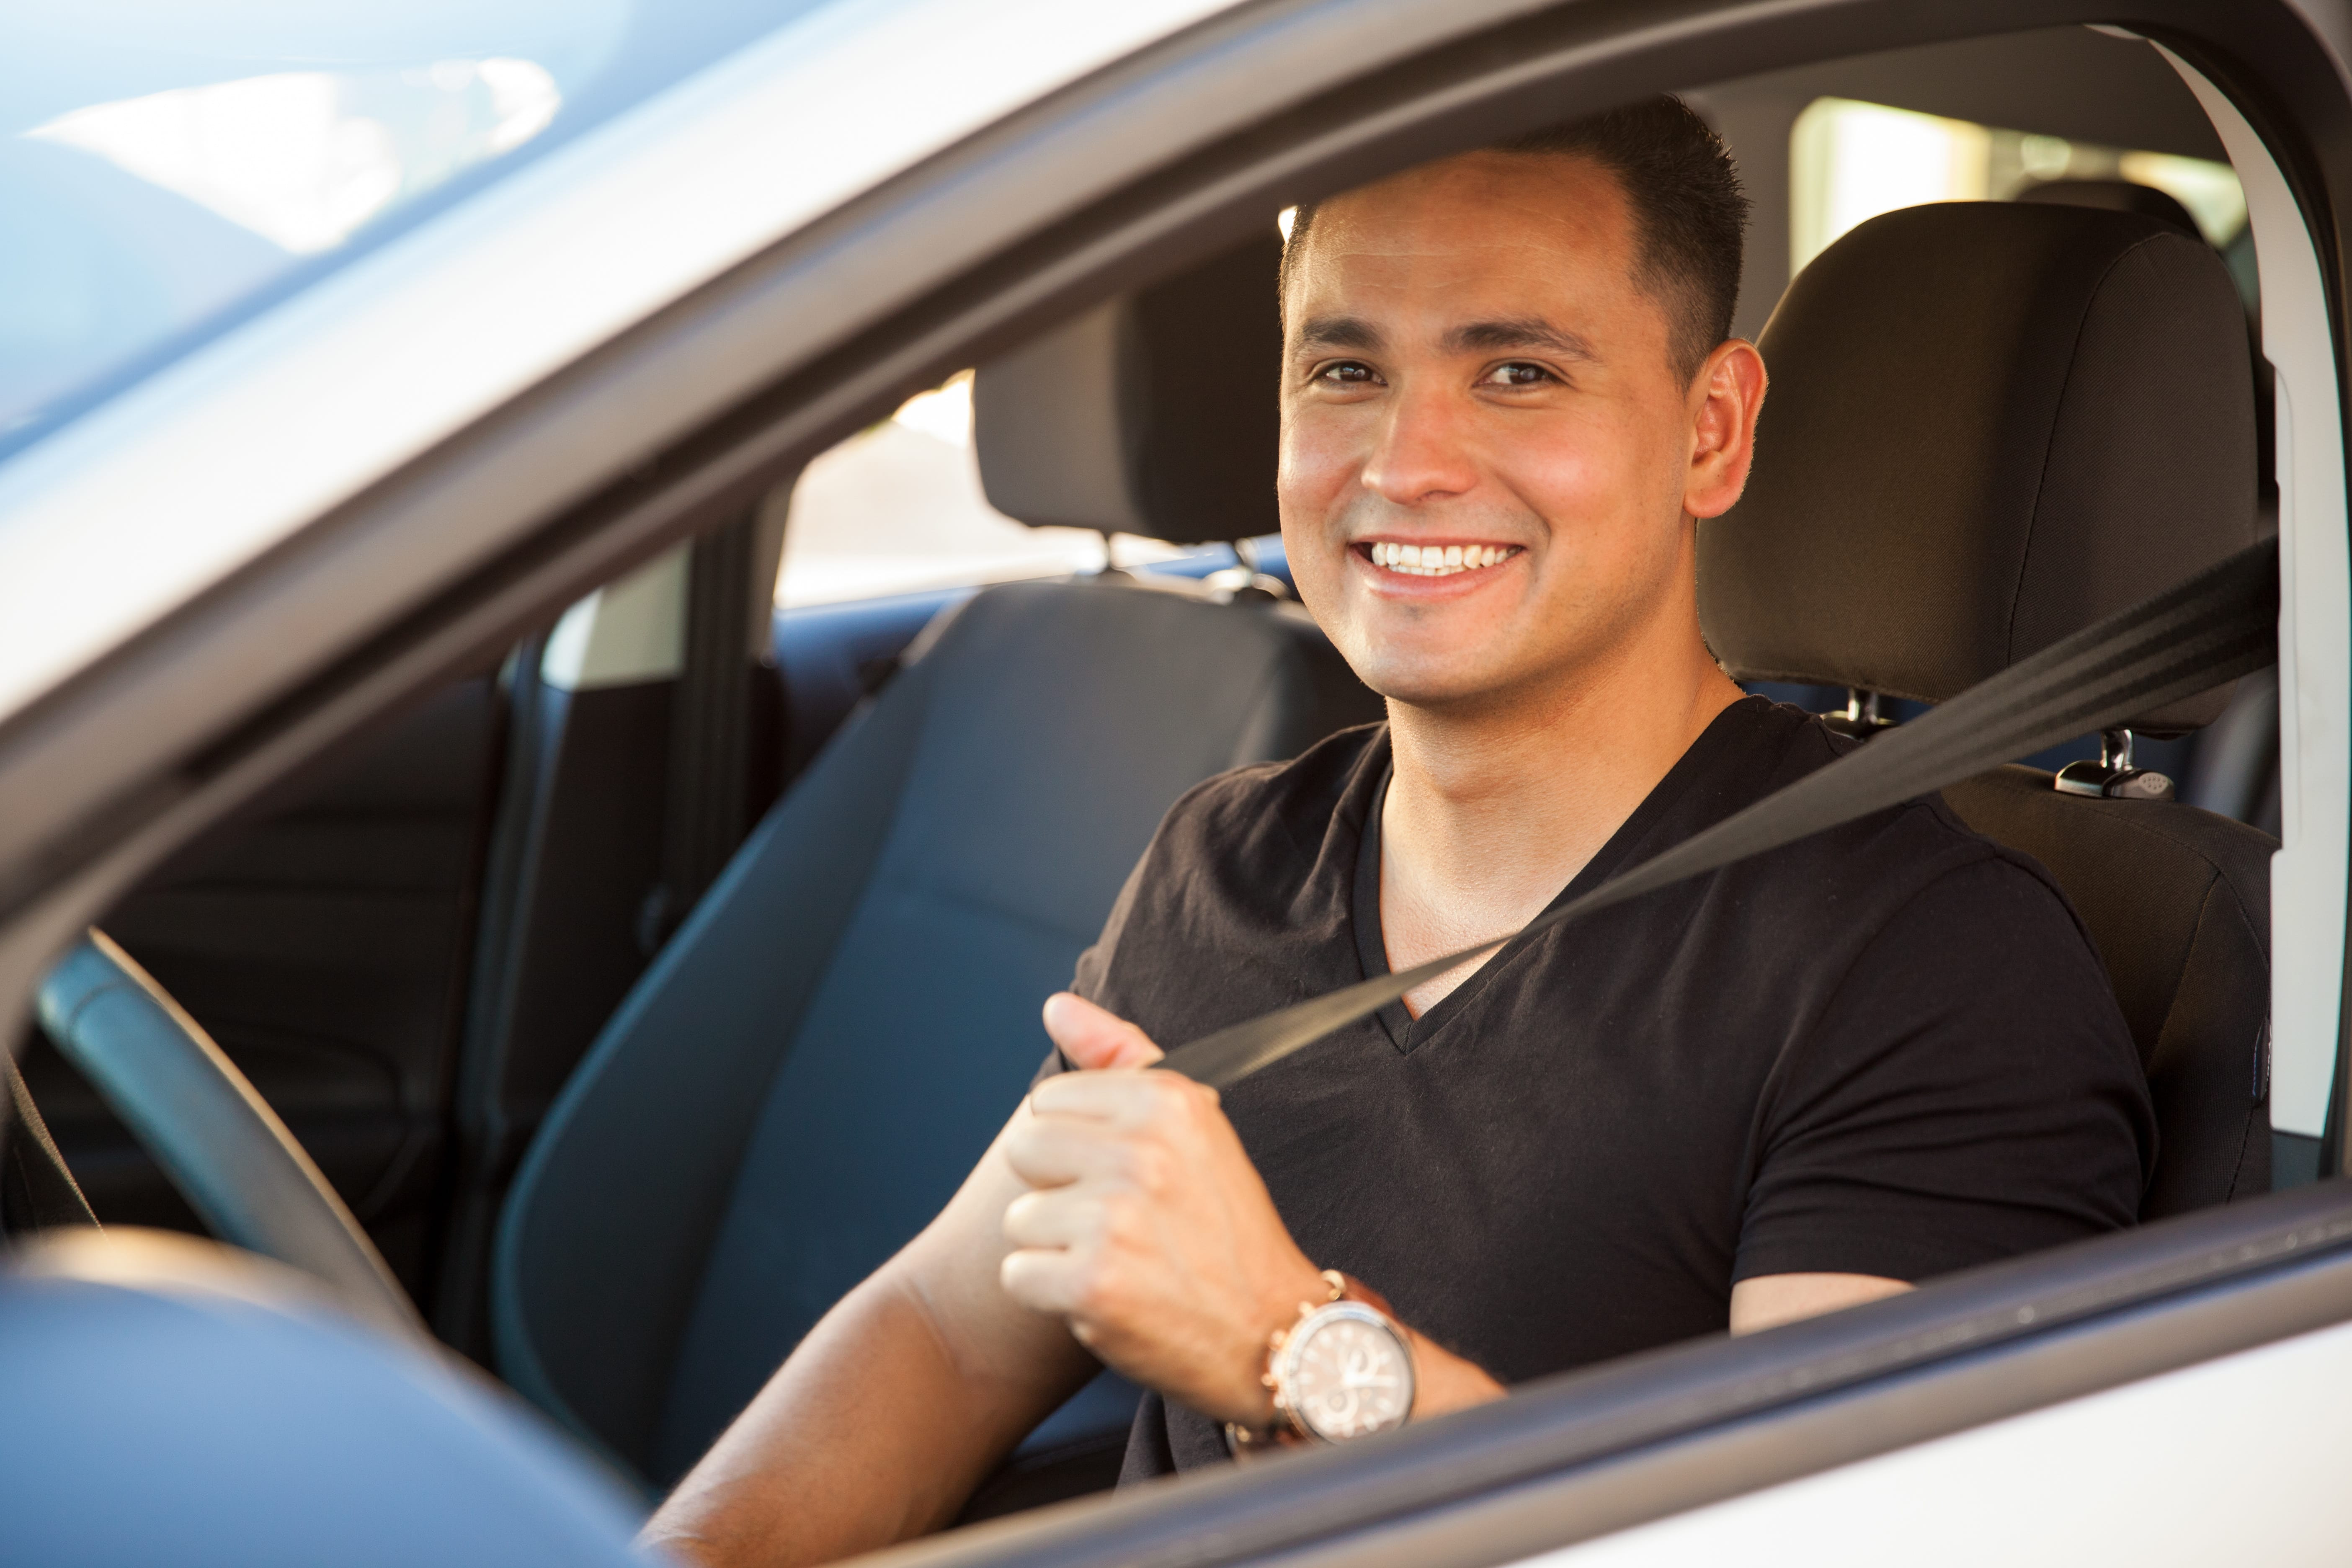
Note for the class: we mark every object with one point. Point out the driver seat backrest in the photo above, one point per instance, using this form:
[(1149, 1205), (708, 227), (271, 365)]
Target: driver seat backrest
[(1991, 425), (809, 1069)]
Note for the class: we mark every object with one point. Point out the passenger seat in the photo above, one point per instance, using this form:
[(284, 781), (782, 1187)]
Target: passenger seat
[(825, 1047), (1991, 425)]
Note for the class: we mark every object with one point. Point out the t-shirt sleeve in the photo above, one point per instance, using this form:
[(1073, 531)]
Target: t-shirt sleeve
[(1970, 1092)]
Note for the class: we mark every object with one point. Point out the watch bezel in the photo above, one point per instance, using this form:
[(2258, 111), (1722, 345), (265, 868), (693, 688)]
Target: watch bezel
[(1288, 1364)]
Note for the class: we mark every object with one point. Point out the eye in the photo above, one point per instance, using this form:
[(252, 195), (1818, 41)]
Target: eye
[(1518, 372), (1346, 373)]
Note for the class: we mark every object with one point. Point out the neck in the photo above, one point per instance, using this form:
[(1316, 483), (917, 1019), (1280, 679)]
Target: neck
[(1494, 807)]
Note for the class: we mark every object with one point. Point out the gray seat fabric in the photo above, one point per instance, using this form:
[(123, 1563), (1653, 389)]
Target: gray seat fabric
[(1153, 414), (2085, 437), (1989, 426), (2177, 901), (2114, 195), (825, 1047)]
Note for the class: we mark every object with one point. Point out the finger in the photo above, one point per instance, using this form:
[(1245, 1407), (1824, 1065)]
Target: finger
[(1054, 1151), (1043, 1278), (1059, 1217), (1129, 1101), (1093, 1037)]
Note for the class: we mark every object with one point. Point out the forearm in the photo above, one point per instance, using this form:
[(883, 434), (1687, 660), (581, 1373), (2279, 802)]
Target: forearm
[(888, 1413), (1442, 1381), (848, 1448)]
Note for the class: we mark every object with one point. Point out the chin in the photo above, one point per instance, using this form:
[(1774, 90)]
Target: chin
[(1420, 683), (1434, 659)]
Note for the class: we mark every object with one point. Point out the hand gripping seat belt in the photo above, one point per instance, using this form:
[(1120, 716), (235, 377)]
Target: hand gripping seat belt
[(2218, 625)]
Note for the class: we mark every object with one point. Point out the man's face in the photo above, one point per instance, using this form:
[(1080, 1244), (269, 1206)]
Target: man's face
[(1485, 446)]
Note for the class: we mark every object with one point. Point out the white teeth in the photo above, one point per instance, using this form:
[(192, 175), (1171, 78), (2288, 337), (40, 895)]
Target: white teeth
[(1435, 559)]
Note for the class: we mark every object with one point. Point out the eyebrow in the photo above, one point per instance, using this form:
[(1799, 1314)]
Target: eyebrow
[(1340, 332), (1518, 332), (1472, 337)]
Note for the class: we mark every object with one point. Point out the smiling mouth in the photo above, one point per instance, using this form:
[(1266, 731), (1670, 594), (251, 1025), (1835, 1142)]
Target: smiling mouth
[(1436, 560)]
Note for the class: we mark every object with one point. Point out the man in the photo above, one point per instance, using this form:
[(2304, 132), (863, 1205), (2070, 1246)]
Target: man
[(1798, 1083)]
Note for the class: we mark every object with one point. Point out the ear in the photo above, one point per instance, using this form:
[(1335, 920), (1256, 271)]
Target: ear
[(1724, 397)]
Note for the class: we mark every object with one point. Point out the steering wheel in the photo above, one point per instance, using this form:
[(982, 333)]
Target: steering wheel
[(214, 1137)]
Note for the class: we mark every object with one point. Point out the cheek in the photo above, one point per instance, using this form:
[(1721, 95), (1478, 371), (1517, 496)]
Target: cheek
[(1577, 483), (1603, 484), (1314, 479), (1320, 456)]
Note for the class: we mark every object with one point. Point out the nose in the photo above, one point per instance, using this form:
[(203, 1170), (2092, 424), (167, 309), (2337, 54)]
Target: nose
[(1422, 455)]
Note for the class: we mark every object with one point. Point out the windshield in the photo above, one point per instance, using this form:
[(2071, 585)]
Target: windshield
[(168, 168)]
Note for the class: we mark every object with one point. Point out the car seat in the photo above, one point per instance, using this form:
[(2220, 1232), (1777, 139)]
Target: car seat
[(2113, 195), (825, 1049), (1989, 426)]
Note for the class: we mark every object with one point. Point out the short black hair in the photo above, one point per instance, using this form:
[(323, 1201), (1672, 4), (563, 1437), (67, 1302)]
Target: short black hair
[(1690, 213)]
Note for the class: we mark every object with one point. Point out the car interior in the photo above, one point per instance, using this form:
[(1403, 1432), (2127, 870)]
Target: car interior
[(640, 994)]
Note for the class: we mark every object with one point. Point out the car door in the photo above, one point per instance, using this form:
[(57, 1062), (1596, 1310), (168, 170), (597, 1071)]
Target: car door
[(324, 939)]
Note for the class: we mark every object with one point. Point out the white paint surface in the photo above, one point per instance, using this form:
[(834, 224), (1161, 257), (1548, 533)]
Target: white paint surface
[(140, 504), (2247, 1459), (2307, 875)]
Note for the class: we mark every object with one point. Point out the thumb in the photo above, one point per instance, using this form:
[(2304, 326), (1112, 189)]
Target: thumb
[(1093, 1038)]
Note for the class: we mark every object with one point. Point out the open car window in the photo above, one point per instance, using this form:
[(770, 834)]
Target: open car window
[(899, 508)]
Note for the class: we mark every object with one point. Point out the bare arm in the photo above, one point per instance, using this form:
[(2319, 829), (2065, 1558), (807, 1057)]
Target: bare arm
[(897, 1405), (1771, 1299)]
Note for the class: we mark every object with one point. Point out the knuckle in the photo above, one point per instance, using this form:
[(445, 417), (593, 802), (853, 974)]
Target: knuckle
[(1088, 1292), (1170, 1103), (1191, 1102), (1102, 1291), (1115, 1215), (1085, 1221), (1151, 1167)]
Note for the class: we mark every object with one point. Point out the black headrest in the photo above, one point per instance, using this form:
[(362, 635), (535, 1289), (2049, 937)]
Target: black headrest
[(1155, 414), (1989, 426), (2115, 197)]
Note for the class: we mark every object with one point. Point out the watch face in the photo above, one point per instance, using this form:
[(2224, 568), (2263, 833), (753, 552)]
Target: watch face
[(1346, 1373)]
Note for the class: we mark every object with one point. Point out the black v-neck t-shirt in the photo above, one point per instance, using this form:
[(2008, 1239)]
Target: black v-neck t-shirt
[(1888, 1049)]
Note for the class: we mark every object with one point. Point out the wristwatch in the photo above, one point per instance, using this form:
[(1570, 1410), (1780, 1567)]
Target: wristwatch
[(1343, 1370)]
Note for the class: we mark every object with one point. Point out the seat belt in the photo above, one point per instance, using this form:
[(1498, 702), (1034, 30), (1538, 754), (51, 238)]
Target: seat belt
[(705, 808), (2218, 625)]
